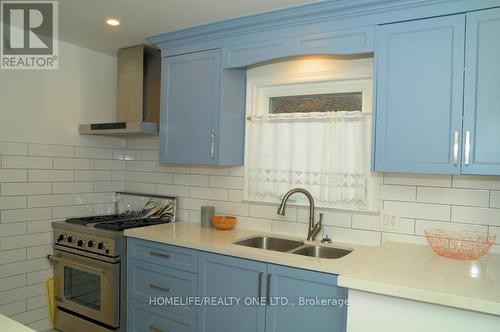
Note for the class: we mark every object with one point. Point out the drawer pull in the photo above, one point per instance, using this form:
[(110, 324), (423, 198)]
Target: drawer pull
[(155, 286), (157, 329), (154, 253)]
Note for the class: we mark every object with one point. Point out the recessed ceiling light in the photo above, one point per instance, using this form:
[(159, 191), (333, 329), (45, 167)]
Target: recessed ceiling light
[(113, 22)]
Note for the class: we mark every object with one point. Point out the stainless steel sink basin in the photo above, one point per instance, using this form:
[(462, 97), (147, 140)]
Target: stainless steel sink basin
[(270, 243), (321, 252)]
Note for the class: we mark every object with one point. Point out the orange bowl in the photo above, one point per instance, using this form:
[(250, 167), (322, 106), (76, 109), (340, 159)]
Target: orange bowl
[(223, 222)]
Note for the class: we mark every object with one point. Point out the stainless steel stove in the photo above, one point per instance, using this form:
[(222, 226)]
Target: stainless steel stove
[(89, 262)]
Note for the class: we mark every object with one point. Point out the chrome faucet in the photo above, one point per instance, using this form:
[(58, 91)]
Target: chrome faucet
[(313, 228)]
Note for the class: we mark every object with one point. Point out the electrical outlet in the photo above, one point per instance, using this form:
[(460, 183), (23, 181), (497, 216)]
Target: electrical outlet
[(390, 220)]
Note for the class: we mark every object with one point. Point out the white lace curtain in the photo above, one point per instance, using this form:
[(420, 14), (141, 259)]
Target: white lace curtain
[(325, 153)]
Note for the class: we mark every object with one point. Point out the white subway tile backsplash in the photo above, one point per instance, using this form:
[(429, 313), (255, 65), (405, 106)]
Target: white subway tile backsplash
[(37, 301), (30, 316), (72, 187), (495, 199), (71, 163), (403, 238), (22, 241), (495, 231), (418, 179), (230, 182), (13, 255), (349, 235), (112, 165), (140, 165), (150, 177), (290, 228), (254, 224), (12, 282), (269, 212), (453, 196), (419, 210), (122, 154), (13, 202), (13, 148), (39, 226), (108, 186), (13, 308), (190, 180), (91, 175), (238, 209), (235, 195), (26, 162), (398, 193), (143, 143), (16, 189), (8, 216), (475, 215), (209, 193), (24, 267), (93, 153), (49, 175), (167, 189), (21, 293), (12, 229), (140, 187), (50, 150), (237, 171), (184, 169), (13, 175), (38, 251), (476, 182), (64, 212), (38, 276), (94, 198), (330, 218), (206, 170)]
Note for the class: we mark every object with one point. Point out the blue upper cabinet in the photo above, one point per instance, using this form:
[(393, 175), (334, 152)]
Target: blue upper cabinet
[(296, 286), (202, 110), (481, 139), (418, 123)]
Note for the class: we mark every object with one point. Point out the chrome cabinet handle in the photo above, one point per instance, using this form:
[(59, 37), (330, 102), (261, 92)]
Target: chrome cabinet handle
[(163, 289), (260, 286), (212, 146), (154, 253), (268, 291), (455, 148), (467, 147), (157, 329)]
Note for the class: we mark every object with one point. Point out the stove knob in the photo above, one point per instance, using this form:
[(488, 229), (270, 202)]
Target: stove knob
[(81, 243), (101, 245), (91, 244), (61, 238), (71, 239)]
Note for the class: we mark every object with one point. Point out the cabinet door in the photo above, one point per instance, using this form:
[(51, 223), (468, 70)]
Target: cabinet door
[(227, 277), (418, 120), (297, 286), (190, 105), (481, 139)]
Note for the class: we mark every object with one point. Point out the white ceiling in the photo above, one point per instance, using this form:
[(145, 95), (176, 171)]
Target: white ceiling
[(82, 22)]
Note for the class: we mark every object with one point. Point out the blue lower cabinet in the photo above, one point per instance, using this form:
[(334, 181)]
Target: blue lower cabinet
[(148, 281), (304, 301), (142, 319), (227, 277)]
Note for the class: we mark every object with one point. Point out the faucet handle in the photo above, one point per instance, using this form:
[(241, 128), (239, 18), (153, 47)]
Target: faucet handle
[(320, 218)]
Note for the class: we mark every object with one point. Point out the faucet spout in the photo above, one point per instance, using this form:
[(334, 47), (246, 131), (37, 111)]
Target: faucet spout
[(313, 228)]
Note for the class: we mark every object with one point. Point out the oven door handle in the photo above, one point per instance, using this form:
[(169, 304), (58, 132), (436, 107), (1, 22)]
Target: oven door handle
[(54, 259)]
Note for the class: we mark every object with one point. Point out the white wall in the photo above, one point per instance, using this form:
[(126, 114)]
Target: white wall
[(46, 106), (47, 171)]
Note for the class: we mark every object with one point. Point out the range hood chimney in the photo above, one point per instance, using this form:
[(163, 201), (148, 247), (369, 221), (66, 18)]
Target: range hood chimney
[(138, 95)]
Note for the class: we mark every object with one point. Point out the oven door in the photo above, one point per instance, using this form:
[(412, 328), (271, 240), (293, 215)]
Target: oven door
[(87, 286)]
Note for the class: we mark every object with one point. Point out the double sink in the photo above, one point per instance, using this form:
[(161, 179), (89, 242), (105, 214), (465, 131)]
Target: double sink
[(293, 247)]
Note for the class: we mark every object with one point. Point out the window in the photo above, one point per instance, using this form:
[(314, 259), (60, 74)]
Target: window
[(313, 133)]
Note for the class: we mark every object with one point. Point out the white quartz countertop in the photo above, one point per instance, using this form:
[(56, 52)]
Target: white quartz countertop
[(7, 324), (397, 269)]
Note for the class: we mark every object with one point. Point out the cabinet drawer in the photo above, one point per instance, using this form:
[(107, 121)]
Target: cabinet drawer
[(141, 319), (146, 280), (163, 254)]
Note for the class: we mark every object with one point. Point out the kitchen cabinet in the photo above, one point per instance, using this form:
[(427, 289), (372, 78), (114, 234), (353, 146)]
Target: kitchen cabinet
[(221, 275), (202, 110), (299, 286), (482, 94), (226, 277), (419, 86), (160, 271)]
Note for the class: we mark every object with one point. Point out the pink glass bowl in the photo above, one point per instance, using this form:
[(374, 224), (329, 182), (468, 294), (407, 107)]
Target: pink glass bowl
[(464, 245)]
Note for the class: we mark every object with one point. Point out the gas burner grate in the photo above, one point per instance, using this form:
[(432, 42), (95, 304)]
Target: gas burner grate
[(121, 225)]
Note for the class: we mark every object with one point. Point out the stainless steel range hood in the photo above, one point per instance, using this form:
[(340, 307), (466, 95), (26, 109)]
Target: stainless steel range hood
[(138, 95)]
